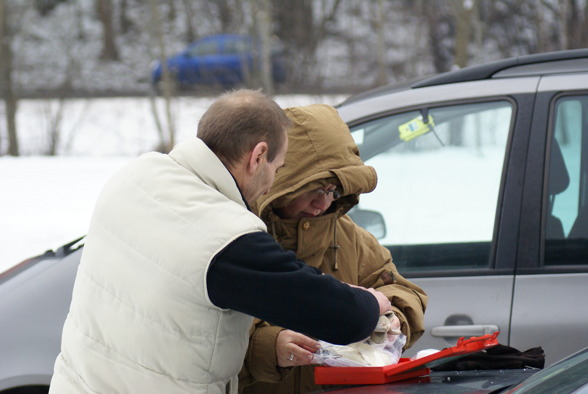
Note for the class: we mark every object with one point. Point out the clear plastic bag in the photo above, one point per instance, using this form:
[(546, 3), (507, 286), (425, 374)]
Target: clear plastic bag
[(362, 354)]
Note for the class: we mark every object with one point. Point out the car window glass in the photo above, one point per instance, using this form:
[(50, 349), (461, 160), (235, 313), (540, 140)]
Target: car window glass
[(236, 47), (566, 208), (439, 173), (204, 48)]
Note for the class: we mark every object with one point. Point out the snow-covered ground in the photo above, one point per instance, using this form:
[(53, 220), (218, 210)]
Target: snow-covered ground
[(47, 201)]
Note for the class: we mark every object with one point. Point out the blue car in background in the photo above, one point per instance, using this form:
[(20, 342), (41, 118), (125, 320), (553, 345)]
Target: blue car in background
[(223, 60)]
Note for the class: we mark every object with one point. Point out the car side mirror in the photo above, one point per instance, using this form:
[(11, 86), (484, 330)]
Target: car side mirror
[(372, 221)]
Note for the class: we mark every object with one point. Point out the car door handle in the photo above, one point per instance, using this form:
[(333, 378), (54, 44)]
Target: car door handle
[(473, 330)]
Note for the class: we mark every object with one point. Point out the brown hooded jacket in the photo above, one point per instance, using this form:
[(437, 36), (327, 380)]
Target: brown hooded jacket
[(321, 151)]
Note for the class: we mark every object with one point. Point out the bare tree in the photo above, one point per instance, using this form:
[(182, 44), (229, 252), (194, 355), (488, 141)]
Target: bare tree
[(262, 45), (171, 10), (441, 29), (561, 24), (55, 118), (109, 48), (366, 39), (562, 12), (189, 15), (124, 21), (575, 19), (463, 11), (380, 49), (302, 27), (519, 27), (6, 77), (79, 21), (228, 13), (166, 142), (540, 21)]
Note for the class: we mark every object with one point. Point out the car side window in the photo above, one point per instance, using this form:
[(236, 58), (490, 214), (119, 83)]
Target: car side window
[(566, 208), (439, 174), (236, 47), (204, 48)]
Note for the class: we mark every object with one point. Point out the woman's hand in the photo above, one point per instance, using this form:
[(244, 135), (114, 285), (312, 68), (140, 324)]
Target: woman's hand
[(293, 348), (395, 325)]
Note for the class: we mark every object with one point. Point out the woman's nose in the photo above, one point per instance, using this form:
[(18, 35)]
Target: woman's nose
[(322, 202)]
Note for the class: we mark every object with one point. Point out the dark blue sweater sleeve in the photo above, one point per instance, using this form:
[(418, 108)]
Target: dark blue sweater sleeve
[(254, 275)]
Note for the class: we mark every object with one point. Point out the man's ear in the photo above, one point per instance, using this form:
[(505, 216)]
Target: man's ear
[(258, 155)]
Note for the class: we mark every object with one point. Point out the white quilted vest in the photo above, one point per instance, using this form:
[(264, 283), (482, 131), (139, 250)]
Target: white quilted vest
[(140, 320)]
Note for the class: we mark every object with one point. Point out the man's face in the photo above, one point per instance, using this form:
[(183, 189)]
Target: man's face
[(264, 178), (310, 204)]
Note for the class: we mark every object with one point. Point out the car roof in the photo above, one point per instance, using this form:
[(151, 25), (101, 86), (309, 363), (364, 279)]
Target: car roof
[(537, 64), (221, 37)]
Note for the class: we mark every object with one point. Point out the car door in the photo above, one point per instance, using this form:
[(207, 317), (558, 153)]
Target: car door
[(550, 304), (199, 62), (237, 61), (449, 192)]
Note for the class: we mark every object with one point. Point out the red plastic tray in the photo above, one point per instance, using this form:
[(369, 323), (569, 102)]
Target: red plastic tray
[(405, 369)]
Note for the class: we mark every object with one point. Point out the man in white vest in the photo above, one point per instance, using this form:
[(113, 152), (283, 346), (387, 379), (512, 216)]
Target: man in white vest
[(175, 265)]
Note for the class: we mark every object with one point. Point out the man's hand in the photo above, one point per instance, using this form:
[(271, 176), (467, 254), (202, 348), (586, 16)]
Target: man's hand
[(383, 301), (293, 348)]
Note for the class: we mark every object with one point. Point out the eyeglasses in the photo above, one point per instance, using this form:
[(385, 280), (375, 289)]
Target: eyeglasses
[(321, 192)]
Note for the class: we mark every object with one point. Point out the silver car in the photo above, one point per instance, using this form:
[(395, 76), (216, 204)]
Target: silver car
[(482, 199)]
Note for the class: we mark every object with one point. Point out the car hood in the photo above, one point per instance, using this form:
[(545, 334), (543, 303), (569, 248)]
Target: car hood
[(463, 382)]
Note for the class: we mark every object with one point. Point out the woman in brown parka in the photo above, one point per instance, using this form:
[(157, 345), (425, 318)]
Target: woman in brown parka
[(305, 211)]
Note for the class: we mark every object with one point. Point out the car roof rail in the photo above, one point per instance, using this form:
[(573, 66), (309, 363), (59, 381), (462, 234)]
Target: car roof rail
[(471, 73), (487, 70), (381, 90)]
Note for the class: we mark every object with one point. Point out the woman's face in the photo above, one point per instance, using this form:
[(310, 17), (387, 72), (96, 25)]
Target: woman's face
[(310, 204)]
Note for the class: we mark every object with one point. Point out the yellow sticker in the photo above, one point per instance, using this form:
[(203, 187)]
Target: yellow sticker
[(414, 128)]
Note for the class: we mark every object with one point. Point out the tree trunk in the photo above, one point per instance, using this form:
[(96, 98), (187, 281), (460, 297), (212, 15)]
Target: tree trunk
[(124, 23), (189, 15), (463, 11), (171, 10), (439, 27), (576, 24), (79, 15), (301, 30), (6, 82), (109, 49), (54, 125), (295, 27), (379, 27), (564, 31), (165, 146), (584, 34), (225, 14), (262, 18), (542, 32)]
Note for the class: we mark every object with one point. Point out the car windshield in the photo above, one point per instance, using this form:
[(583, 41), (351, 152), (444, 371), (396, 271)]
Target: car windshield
[(204, 48)]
